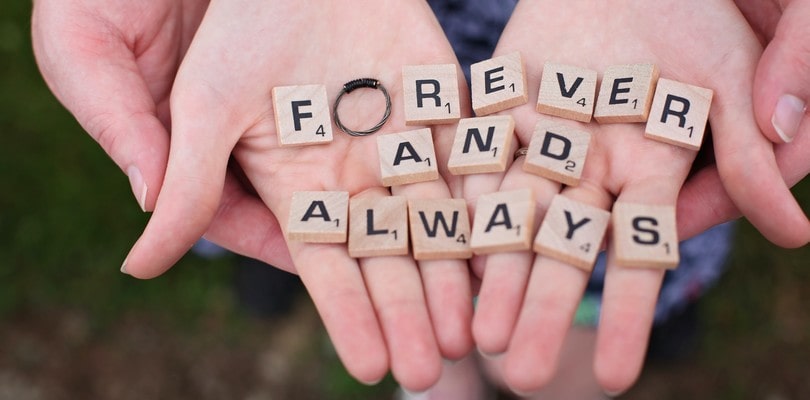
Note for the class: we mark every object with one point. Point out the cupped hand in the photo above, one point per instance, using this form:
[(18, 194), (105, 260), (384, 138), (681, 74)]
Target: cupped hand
[(112, 64), (527, 303), (781, 90), (381, 312)]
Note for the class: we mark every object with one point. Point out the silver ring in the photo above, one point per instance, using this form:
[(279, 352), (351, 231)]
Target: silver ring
[(520, 153), (350, 86)]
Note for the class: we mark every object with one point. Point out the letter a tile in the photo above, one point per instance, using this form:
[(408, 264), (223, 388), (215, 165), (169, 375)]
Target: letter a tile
[(440, 229), (572, 232), (302, 115), (567, 92), (378, 226), (482, 145), (407, 157), (319, 217), (626, 93), (504, 221), (498, 84), (557, 152), (679, 114), (431, 94), (645, 236)]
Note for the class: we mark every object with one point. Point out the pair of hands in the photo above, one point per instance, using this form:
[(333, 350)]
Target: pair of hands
[(114, 66)]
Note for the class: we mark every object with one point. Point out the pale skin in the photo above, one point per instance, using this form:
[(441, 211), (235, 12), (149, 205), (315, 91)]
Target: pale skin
[(383, 312), (131, 122), (525, 311)]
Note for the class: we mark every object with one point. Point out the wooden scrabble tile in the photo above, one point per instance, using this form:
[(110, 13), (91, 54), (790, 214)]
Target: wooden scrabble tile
[(302, 115), (319, 217), (679, 114), (482, 145), (557, 152), (504, 221), (498, 84), (440, 229), (431, 94), (378, 226), (572, 232), (645, 235), (407, 157), (567, 92), (626, 93)]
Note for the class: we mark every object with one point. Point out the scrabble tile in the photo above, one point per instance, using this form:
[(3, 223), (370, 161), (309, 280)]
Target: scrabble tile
[(567, 92), (504, 221), (431, 94), (378, 226), (557, 152), (440, 229), (407, 157), (645, 235), (626, 93), (319, 217), (482, 145), (302, 115), (679, 114), (498, 84), (572, 232)]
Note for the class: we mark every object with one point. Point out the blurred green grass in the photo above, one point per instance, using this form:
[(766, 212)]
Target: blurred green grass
[(68, 219)]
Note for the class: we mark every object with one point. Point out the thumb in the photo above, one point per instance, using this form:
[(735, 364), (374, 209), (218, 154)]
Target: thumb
[(782, 82), (192, 187), (100, 83)]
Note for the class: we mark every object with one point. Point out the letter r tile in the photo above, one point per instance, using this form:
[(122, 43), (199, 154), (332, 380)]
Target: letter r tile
[(407, 157), (431, 94), (572, 232), (504, 221), (318, 217), (482, 145), (679, 114), (378, 226), (440, 229), (645, 235), (567, 92), (498, 84), (557, 152), (302, 115)]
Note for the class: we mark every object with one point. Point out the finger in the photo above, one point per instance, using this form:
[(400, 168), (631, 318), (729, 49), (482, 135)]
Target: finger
[(396, 292), (446, 285), (103, 88), (192, 187), (506, 274), (782, 82), (629, 298), (338, 289), (552, 297), (748, 169)]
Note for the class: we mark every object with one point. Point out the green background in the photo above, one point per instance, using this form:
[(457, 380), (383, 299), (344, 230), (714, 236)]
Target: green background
[(73, 327)]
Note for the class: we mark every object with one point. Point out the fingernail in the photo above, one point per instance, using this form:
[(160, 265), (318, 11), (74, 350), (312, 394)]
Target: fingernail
[(138, 185), (370, 383), (613, 394), (787, 116), (489, 356), (124, 267)]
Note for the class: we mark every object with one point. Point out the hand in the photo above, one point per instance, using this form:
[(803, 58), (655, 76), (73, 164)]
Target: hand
[(375, 309), (782, 70), (112, 64), (527, 302)]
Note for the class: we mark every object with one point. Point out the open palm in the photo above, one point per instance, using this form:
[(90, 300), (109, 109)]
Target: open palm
[(375, 309), (526, 309)]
